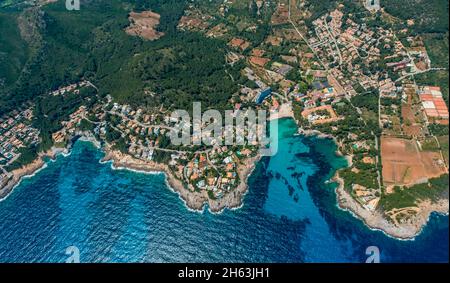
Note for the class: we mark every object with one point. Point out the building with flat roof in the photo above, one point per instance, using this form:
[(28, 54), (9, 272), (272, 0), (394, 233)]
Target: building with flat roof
[(433, 103)]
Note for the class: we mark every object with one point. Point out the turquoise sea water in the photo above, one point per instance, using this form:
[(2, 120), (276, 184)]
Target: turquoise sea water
[(289, 215)]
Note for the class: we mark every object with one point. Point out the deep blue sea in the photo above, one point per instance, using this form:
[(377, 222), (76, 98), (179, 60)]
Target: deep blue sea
[(289, 215)]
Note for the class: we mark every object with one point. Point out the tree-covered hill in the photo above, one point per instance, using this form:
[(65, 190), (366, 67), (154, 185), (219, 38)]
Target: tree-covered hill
[(428, 15), (175, 70), (13, 49)]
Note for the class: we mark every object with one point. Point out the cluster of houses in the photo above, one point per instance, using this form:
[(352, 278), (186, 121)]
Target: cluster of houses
[(194, 20), (387, 88), (343, 42), (325, 86), (419, 57), (75, 88), (69, 128), (353, 46), (141, 129), (15, 133), (214, 170)]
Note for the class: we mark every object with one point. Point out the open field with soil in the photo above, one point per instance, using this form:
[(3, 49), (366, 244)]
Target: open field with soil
[(404, 164)]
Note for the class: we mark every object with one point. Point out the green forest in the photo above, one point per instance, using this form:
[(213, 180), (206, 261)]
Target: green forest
[(173, 71), (13, 50), (430, 16), (407, 197)]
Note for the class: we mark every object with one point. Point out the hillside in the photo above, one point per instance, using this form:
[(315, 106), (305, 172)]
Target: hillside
[(428, 15), (92, 43)]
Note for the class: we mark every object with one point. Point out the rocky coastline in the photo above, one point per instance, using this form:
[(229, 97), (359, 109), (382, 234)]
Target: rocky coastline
[(197, 201), (16, 176), (194, 200), (377, 221)]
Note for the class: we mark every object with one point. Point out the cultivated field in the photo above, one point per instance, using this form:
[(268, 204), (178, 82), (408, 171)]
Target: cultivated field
[(404, 164)]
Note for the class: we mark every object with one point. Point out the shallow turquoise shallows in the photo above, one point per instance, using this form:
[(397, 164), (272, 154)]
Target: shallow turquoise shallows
[(289, 215)]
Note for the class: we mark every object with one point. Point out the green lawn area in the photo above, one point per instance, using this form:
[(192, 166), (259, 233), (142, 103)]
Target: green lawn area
[(369, 115)]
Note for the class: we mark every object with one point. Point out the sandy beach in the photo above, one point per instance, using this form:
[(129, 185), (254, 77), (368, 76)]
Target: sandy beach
[(285, 111)]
